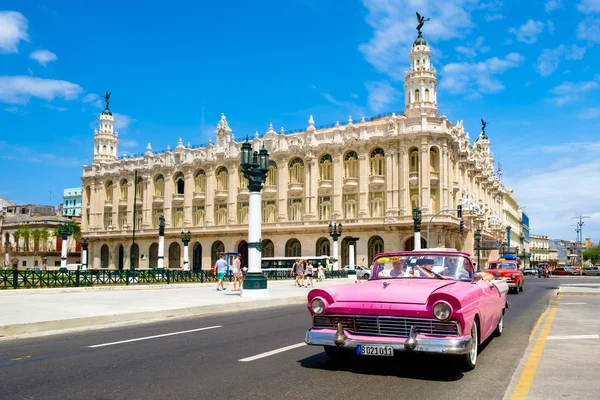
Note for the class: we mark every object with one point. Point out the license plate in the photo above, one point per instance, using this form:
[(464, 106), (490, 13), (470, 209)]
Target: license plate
[(370, 350)]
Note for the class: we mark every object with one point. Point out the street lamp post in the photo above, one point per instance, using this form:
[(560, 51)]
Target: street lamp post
[(161, 242), (478, 243), (335, 231), (84, 252), (254, 167), (185, 238), (417, 227), (64, 232), (508, 239)]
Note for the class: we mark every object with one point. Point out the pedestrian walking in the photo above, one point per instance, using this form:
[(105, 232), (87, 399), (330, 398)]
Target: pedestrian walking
[(221, 270), (237, 272), (309, 273), (300, 273), (320, 272)]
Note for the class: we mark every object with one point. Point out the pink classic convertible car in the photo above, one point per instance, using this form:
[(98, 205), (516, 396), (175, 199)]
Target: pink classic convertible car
[(421, 301)]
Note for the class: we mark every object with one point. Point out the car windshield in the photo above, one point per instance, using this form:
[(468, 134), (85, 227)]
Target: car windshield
[(442, 266), (501, 265)]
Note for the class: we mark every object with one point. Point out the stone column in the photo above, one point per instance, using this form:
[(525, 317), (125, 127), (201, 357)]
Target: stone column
[(130, 201), (424, 178), (404, 182), (338, 180), (445, 180), (168, 199), (364, 171), (188, 195), (283, 179), (148, 200), (336, 255), (254, 282), (209, 211), (232, 199)]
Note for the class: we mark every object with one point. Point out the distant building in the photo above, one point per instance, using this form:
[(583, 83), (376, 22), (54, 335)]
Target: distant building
[(30, 210), (566, 249), (5, 203), (71, 206), (588, 244), (540, 250)]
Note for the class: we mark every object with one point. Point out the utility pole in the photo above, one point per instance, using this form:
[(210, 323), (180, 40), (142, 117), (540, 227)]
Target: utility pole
[(580, 236)]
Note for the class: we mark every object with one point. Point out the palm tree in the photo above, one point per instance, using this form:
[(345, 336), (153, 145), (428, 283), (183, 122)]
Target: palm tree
[(25, 233)]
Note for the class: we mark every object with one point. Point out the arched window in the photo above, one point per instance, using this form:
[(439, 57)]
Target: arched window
[(351, 165), (178, 217), (104, 149), (135, 250), (414, 160), (297, 170), (138, 219), (326, 168), (427, 97), (88, 195), (350, 206), (295, 207), (417, 96), (221, 214), (104, 256), (434, 160), (414, 201), (375, 246), (199, 216), (222, 176), (377, 204), (346, 254), (272, 175), (153, 255), (200, 181), (324, 208), (217, 248), (179, 182), (269, 214), (139, 189), (268, 248), (109, 191), (159, 186), (124, 189), (243, 182), (174, 255), (293, 248), (242, 213), (323, 248), (377, 161)]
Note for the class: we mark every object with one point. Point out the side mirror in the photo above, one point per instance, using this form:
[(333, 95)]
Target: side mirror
[(477, 276)]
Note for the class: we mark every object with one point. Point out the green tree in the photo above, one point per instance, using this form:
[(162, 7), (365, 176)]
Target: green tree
[(76, 229), (593, 255), (25, 233), (40, 238)]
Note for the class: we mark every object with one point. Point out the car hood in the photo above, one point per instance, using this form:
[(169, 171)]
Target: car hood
[(405, 290), (503, 272)]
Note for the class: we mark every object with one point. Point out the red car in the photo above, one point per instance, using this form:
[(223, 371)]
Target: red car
[(509, 271), (567, 271)]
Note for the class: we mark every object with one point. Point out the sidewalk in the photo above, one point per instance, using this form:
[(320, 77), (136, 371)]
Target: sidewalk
[(38, 311), (561, 360)]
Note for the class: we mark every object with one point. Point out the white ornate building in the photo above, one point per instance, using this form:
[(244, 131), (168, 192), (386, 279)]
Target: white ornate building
[(366, 174)]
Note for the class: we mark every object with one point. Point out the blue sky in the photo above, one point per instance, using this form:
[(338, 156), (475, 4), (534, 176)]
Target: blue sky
[(530, 68)]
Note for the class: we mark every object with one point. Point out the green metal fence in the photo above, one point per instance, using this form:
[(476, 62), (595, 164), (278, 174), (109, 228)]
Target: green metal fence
[(15, 279)]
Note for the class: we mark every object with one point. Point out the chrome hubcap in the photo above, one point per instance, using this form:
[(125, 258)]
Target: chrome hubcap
[(475, 344), (501, 323)]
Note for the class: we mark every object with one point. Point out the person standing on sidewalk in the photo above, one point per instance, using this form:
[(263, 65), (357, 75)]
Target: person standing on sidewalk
[(237, 272), (221, 270), (309, 273)]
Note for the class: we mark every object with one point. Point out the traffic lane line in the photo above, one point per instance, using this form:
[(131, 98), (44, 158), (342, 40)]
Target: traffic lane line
[(538, 323), (573, 337), (528, 373), (272, 352), (154, 337), (572, 304)]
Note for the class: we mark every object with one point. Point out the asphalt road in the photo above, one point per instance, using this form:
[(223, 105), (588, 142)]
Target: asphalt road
[(204, 364)]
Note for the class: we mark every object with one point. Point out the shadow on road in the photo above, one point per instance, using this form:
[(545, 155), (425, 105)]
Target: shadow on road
[(402, 365)]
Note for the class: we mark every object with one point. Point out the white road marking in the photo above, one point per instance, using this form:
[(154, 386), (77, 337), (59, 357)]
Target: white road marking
[(155, 336), (270, 353), (571, 304), (573, 337)]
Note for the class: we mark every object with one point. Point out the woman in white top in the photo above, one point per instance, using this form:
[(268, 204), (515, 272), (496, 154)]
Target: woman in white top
[(309, 273)]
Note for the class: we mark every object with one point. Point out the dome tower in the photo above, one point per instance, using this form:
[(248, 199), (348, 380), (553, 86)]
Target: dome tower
[(106, 139)]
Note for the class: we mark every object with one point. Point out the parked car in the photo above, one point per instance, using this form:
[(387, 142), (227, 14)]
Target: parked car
[(361, 272), (568, 271), (530, 271), (594, 271), (408, 306), (509, 270)]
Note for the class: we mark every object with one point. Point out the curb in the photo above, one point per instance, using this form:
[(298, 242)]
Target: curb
[(88, 323)]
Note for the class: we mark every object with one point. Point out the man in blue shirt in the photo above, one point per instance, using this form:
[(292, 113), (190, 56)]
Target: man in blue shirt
[(221, 270)]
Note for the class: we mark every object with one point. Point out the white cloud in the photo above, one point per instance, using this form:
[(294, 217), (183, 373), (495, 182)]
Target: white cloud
[(550, 59), (43, 56), (354, 95), (128, 144), (394, 23), (528, 32), (381, 96), (479, 77), (61, 109), (19, 89), (552, 5), (13, 29), (589, 29), (24, 154), (473, 49), (590, 113), (11, 109), (122, 121), (551, 27), (347, 106), (493, 17), (589, 6), (93, 99), (568, 92)]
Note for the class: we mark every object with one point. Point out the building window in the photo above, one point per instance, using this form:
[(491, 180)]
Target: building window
[(139, 186), (109, 191), (351, 165), (417, 96), (326, 168), (222, 178), (377, 162), (200, 181), (159, 186), (138, 219), (269, 215), (178, 217), (122, 219), (293, 248), (350, 206), (375, 246), (324, 208), (242, 213), (297, 170), (104, 256), (272, 174), (221, 214), (268, 248), (199, 216), (108, 220), (179, 183), (295, 209), (174, 255), (322, 247), (434, 161), (426, 94), (156, 213), (124, 189), (377, 204), (414, 160), (243, 182)]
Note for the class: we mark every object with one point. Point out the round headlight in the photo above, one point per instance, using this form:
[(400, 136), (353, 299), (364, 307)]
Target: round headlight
[(513, 276), (442, 311), (318, 306)]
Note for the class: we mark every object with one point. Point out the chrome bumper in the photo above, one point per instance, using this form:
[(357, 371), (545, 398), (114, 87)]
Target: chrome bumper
[(511, 285), (415, 342)]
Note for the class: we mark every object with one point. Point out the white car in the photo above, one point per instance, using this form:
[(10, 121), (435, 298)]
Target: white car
[(361, 272)]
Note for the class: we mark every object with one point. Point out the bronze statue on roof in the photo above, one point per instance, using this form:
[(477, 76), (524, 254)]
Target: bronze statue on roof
[(422, 21)]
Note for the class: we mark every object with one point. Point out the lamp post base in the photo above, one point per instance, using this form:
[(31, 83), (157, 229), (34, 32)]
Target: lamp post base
[(255, 285)]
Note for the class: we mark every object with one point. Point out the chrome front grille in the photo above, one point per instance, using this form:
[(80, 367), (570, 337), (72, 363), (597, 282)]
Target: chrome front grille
[(387, 326)]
